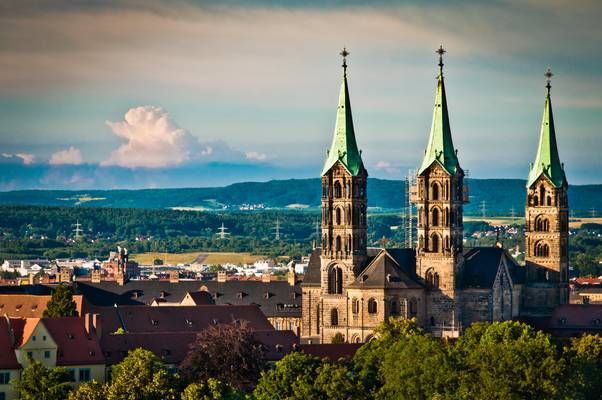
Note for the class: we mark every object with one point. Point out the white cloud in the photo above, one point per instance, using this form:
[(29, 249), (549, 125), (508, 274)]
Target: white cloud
[(153, 140), (207, 151), (255, 156), (387, 167), (71, 156), (27, 158)]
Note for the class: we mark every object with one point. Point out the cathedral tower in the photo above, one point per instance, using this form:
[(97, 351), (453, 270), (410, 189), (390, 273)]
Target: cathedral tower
[(547, 220), (344, 200), (439, 201)]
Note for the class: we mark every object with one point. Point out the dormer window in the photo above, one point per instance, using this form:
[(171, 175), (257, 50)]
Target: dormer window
[(92, 353), (267, 295), (34, 307), (215, 321), (18, 307), (189, 322), (70, 336), (155, 322), (163, 294), (562, 321), (596, 322), (240, 295), (278, 348)]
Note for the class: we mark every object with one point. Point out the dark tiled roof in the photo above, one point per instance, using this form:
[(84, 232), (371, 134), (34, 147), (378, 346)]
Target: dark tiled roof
[(570, 316), (275, 298), (8, 359), (481, 265), (331, 351), (75, 345), (145, 319), (172, 347), (312, 276), (390, 268), (201, 298)]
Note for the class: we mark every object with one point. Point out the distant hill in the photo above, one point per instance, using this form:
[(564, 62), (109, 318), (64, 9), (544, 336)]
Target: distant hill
[(500, 196)]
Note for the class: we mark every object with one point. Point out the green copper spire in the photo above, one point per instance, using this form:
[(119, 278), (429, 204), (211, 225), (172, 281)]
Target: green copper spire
[(440, 147), (344, 147), (547, 161)]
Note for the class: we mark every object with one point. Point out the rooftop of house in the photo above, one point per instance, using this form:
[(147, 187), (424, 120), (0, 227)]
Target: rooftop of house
[(29, 305), (8, 359)]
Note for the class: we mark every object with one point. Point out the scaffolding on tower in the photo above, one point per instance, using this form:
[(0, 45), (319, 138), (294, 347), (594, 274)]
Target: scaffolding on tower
[(411, 191)]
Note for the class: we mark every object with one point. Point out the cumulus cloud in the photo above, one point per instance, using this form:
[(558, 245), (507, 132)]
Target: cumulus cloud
[(70, 156), (27, 158), (153, 140), (387, 167), (255, 156)]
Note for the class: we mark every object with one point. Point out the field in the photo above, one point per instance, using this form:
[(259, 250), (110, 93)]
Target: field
[(200, 257)]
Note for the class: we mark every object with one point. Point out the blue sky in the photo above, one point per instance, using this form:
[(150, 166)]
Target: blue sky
[(166, 85)]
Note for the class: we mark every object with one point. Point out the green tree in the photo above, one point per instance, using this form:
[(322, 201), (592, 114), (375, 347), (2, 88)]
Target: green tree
[(61, 303), (508, 360), (338, 338), (587, 265), (89, 391), (585, 363), (40, 383), (211, 390), (337, 381), (157, 261), (292, 378), (141, 376), (227, 352)]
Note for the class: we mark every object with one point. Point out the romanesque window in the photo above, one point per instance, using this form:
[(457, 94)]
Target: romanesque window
[(435, 243), (542, 193), (429, 278), (355, 306), (372, 306), (446, 217), (324, 190), (335, 280), (413, 307), (348, 215), (542, 249), (446, 190), (542, 224), (435, 217), (337, 189), (348, 194), (436, 280), (338, 244), (318, 319), (435, 191), (549, 201), (338, 216), (535, 201), (334, 317), (394, 307)]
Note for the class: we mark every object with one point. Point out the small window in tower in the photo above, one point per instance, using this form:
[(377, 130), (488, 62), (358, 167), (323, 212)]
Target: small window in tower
[(372, 306)]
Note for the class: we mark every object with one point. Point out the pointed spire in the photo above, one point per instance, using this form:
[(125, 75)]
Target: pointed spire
[(344, 147), (547, 161), (440, 147)]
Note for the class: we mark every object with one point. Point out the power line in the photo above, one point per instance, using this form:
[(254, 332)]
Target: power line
[(483, 209), (221, 232), (277, 230), (78, 230)]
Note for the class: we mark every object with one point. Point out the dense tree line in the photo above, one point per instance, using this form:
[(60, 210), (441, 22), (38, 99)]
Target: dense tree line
[(504, 360)]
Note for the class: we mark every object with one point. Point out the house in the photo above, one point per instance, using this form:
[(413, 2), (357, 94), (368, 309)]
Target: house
[(9, 366)]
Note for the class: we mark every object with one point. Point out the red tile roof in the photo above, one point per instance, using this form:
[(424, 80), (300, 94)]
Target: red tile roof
[(29, 305), (149, 319), (588, 317), (8, 360), (75, 345)]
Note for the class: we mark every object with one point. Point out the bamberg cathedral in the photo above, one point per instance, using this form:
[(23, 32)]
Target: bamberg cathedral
[(350, 288)]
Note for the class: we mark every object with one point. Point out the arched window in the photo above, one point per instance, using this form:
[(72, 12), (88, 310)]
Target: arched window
[(446, 190), (435, 217), (348, 215), (429, 278), (542, 249), (355, 306), (535, 200), (338, 216), (318, 318), (446, 217), (335, 280), (348, 194), (334, 317), (338, 244), (394, 307), (324, 190), (337, 189), (549, 201), (542, 224), (542, 193), (372, 306), (435, 243), (436, 280), (413, 307), (435, 191)]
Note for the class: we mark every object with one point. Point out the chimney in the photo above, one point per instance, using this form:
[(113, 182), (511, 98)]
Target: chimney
[(292, 276), (88, 324), (221, 276), (266, 278), (65, 276), (174, 276), (32, 278), (120, 278), (95, 276)]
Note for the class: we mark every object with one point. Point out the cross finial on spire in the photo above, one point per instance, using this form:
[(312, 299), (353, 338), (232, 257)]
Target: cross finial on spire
[(548, 76), (440, 51), (344, 53)]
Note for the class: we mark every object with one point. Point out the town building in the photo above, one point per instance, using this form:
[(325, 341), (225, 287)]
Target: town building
[(350, 289)]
